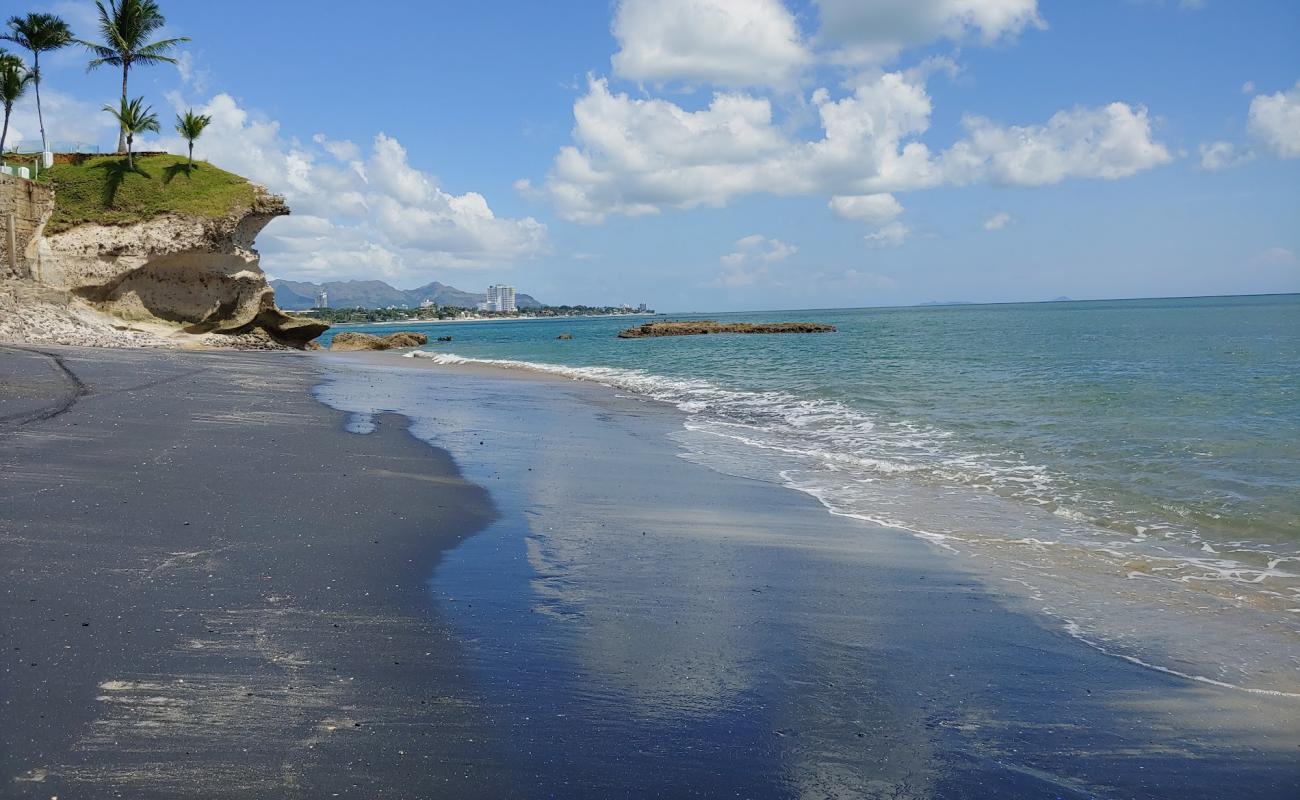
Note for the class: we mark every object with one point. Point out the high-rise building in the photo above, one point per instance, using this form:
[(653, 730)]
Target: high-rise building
[(501, 298), (322, 299)]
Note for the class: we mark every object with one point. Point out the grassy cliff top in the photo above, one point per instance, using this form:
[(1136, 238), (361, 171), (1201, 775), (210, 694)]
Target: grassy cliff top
[(100, 189)]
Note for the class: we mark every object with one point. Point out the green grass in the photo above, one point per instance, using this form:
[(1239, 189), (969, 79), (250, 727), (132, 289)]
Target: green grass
[(102, 190)]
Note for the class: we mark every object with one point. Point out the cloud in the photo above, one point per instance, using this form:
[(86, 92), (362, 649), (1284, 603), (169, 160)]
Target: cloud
[(878, 31), (1248, 87), (634, 156), (1275, 121), (357, 210), (876, 208), (759, 248), (758, 43), (745, 264), (879, 210), (192, 76), (69, 122), (1222, 155), (722, 42), (891, 235), (1109, 142), (998, 221)]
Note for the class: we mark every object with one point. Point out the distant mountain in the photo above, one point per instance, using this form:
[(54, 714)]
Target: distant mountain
[(300, 295), (1062, 299)]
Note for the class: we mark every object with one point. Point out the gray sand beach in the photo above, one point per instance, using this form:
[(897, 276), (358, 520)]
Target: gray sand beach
[(275, 575), (211, 590)]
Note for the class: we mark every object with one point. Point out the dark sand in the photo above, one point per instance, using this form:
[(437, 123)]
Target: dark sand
[(620, 623), (208, 589), (644, 626)]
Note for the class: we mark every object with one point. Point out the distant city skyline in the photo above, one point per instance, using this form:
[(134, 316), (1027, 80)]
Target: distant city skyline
[(751, 153)]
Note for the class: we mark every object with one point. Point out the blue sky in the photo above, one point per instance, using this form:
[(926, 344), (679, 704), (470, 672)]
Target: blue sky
[(678, 152)]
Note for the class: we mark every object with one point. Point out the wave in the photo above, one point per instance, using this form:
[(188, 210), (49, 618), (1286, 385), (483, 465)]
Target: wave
[(1020, 521)]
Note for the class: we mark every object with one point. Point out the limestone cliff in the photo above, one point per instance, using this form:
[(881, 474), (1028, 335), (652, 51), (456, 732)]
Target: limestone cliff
[(172, 274)]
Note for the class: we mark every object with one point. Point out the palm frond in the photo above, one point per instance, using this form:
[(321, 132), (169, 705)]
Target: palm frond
[(190, 125), (125, 27), (134, 116), (162, 46), (39, 32)]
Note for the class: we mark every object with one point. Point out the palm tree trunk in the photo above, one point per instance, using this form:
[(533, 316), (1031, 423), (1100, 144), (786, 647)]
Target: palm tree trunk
[(4, 134), (36, 79), (191, 164), (121, 131), (130, 156)]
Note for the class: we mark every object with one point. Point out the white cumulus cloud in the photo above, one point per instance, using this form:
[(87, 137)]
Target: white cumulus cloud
[(69, 122), (878, 30), (357, 210), (1109, 142), (759, 248), (746, 263), (998, 221), (1275, 121), (721, 42), (891, 235), (635, 156), (877, 208), (1222, 155)]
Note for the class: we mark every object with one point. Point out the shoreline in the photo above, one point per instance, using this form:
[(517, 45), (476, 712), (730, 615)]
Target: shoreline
[(534, 594), (1169, 630), (959, 647)]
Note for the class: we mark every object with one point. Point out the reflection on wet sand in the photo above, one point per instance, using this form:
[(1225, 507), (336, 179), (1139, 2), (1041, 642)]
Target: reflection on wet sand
[(644, 625)]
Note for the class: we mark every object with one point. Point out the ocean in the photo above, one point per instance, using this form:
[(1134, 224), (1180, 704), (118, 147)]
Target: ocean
[(1130, 468)]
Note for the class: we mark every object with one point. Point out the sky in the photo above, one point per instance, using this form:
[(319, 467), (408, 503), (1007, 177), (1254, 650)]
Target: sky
[(742, 154)]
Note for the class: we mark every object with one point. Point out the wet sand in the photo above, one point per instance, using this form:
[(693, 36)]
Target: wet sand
[(647, 626), (208, 589), (212, 585)]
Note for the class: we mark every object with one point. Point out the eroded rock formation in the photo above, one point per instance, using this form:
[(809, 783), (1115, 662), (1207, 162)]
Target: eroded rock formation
[(177, 273), (351, 340), (200, 274)]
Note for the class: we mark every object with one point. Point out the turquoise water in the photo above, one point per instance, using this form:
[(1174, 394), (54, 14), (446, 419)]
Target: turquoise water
[(1156, 439)]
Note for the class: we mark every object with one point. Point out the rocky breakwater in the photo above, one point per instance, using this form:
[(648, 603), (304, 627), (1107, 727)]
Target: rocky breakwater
[(368, 341), (163, 252), (708, 326)]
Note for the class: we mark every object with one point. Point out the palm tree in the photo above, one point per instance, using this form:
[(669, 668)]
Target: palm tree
[(14, 79), (126, 26), (190, 126), (134, 117), (38, 33)]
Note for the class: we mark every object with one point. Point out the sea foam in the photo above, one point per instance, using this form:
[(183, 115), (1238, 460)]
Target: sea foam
[(1076, 557)]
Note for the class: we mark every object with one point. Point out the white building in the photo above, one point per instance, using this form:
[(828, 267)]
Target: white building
[(322, 299), (501, 298)]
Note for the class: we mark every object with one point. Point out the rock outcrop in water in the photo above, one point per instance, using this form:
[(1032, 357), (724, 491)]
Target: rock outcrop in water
[(367, 341), (171, 277), (707, 326)]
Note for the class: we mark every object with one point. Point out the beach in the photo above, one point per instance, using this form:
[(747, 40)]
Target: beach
[(287, 575), (211, 590)]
